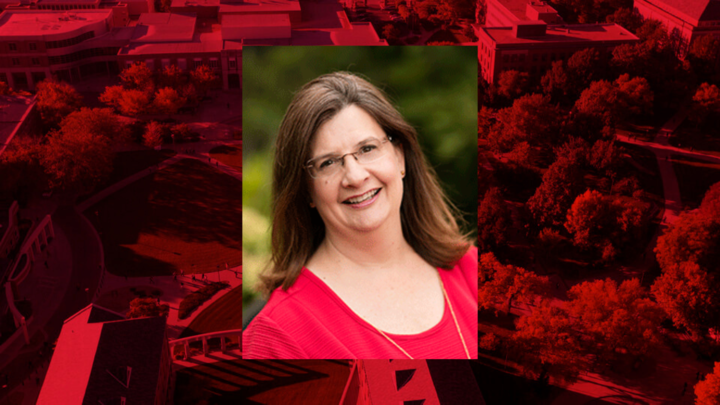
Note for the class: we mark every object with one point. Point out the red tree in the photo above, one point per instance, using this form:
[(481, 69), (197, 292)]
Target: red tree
[(708, 390), (506, 283)]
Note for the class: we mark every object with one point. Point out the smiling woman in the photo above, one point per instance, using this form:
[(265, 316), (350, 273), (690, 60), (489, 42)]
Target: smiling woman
[(368, 260)]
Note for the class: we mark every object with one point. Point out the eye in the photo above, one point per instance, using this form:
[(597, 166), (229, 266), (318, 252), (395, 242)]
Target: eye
[(325, 163), (367, 148)]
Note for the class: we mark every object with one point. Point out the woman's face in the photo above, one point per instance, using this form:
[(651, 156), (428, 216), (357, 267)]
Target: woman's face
[(358, 197)]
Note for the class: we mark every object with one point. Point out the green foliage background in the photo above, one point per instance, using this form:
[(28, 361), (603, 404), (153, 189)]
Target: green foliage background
[(435, 88)]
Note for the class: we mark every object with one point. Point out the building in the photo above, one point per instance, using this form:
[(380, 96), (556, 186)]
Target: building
[(503, 13), (532, 46), (36, 44), (411, 382), (684, 20), (102, 358)]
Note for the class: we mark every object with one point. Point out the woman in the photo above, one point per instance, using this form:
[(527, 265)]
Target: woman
[(367, 258)]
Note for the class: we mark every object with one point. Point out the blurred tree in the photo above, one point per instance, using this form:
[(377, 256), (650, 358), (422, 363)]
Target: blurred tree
[(694, 237), (598, 100), (604, 156), (21, 168), (690, 296), (55, 100), (555, 82), (549, 346), (172, 76), (706, 103), (168, 101), (494, 221), (615, 317), (635, 97), (625, 17), (561, 183), (153, 136), (77, 160), (512, 84), (707, 391), (138, 77), (605, 224), (531, 118), (203, 78), (146, 307), (506, 283), (633, 59), (100, 121)]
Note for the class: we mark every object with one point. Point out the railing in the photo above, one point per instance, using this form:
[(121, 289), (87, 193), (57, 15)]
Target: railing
[(185, 342)]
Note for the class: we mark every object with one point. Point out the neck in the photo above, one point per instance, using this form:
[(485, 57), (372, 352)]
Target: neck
[(378, 249)]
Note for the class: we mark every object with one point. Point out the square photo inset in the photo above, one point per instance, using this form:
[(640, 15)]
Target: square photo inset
[(359, 203)]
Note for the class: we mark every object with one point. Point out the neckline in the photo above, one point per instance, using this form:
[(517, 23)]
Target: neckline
[(312, 277)]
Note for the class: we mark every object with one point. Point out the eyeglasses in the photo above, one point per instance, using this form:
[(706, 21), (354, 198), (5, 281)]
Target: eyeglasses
[(327, 166)]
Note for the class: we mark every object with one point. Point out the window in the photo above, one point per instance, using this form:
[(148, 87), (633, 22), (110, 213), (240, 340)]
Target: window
[(535, 57), (35, 61), (15, 61), (33, 46), (214, 63), (13, 46), (232, 63)]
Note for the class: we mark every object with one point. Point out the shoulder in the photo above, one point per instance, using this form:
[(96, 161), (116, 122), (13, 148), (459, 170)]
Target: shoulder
[(465, 270), (281, 329), (266, 339)]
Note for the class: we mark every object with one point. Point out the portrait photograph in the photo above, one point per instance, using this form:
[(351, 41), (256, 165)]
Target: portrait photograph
[(359, 195)]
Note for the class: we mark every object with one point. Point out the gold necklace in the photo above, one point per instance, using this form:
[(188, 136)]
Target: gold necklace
[(462, 339)]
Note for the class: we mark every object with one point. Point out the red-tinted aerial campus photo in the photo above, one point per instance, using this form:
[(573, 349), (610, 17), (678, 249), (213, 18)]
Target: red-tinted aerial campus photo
[(121, 201)]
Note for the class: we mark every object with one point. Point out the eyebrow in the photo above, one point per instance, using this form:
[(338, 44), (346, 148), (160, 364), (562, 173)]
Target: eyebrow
[(363, 142)]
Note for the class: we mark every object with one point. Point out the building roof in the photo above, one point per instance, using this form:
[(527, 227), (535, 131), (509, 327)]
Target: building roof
[(690, 10), (130, 352), (164, 27), (195, 3), (94, 351), (259, 6), (206, 42), (23, 23), (519, 7), (67, 2), (563, 34)]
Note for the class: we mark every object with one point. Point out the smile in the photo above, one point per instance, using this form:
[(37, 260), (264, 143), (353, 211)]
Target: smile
[(361, 198)]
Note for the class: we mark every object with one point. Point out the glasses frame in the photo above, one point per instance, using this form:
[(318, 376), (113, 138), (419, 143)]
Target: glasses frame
[(309, 164)]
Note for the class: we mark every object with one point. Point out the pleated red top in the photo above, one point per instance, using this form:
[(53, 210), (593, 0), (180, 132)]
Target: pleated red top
[(309, 321)]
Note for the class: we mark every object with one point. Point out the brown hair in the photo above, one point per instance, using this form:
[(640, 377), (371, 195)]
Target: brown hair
[(429, 220)]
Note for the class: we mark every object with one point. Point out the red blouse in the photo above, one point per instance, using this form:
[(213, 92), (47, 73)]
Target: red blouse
[(309, 321)]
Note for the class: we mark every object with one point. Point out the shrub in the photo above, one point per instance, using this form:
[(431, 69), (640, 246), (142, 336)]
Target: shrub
[(197, 298)]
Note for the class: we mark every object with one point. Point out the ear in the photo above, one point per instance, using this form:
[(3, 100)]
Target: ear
[(400, 155)]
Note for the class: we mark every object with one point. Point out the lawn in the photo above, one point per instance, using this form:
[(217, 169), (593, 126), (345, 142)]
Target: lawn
[(231, 155), (266, 382), (223, 314), (694, 178), (186, 216), (128, 163)]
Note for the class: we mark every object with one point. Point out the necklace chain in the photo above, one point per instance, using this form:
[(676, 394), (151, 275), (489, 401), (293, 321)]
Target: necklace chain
[(452, 312)]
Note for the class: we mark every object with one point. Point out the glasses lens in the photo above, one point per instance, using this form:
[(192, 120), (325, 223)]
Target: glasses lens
[(370, 152)]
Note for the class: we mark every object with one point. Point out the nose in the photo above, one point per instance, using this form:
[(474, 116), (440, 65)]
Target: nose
[(353, 172)]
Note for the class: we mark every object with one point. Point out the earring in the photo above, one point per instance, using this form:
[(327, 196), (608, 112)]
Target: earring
[(312, 204), (402, 173)]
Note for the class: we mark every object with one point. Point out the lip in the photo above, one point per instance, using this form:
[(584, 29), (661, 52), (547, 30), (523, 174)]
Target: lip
[(366, 202)]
